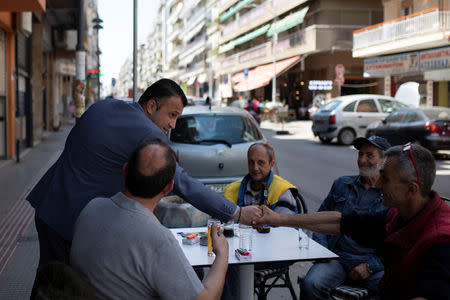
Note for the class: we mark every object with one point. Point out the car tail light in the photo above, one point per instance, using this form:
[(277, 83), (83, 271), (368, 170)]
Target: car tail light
[(332, 120), (431, 126)]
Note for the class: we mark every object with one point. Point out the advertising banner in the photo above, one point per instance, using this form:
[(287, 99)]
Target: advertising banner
[(407, 63)]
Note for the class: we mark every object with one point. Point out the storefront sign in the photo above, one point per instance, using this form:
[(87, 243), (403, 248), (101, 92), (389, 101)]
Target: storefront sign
[(391, 65), (320, 85), (407, 63), (435, 59)]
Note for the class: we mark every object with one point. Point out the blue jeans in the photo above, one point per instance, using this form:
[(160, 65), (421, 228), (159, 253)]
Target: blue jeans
[(322, 278)]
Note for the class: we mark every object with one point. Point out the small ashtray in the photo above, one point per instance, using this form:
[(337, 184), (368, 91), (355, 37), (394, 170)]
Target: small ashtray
[(204, 240)]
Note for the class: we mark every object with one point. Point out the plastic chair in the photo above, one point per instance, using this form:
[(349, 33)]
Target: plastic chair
[(266, 279), (348, 291)]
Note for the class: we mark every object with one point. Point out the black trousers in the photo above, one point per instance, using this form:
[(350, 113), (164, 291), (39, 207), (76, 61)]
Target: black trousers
[(52, 246)]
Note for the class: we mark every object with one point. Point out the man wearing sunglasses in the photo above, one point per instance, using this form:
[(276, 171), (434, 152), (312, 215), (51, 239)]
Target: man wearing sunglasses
[(413, 236), (356, 263)]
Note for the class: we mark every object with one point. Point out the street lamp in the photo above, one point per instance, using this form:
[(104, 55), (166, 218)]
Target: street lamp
[(97, 27)]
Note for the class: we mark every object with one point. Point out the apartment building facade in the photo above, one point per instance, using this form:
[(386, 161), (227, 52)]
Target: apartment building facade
[(230, 48), (412, 44), (299, 41)]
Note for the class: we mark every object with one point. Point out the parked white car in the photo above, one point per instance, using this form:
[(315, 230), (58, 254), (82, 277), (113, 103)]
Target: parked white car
[(347, 117)]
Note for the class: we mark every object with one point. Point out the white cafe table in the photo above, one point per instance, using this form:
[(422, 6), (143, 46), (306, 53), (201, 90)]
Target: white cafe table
[(279, 245)]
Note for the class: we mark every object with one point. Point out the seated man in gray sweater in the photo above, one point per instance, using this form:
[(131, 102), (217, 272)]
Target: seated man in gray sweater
[(121, 249)]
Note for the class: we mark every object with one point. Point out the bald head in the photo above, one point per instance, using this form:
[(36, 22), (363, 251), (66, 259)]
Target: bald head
[(152, 158), (150, 169)]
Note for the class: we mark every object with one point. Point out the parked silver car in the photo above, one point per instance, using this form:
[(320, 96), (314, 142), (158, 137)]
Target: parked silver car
[(347, 117), (212, 143)]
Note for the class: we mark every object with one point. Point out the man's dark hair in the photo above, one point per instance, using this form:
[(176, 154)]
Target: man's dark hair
[(425, 162), (161, 90), (269, 149), (148, 186)]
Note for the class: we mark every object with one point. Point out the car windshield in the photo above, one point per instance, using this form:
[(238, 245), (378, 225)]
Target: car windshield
[(438, 114), (330, 106), (214, 129)]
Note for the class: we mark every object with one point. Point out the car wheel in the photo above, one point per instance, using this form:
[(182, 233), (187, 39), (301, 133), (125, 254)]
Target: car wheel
[(325, 140), (346, 136)]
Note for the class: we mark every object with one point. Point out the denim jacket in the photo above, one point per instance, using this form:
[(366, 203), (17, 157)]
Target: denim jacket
[(349, 194)]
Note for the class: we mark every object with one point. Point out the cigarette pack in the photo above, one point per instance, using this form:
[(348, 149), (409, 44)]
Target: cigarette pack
[(247, 256), (191, 241)]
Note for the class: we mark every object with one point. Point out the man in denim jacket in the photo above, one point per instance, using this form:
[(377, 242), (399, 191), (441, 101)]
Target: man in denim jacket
[(356, 263)]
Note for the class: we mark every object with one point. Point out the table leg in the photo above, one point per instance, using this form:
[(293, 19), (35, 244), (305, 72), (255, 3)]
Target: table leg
[(246, 275)]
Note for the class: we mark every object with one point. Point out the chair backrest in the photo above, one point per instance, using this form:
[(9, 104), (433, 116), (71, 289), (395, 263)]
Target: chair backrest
[(300, 201)]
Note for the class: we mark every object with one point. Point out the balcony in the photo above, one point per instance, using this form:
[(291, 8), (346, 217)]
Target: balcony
[(426, 29), (257, 16), (223, 5), (316, 38)]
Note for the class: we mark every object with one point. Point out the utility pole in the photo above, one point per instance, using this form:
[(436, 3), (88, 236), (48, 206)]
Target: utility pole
[(80, 83), (97, 27), (134, 50)]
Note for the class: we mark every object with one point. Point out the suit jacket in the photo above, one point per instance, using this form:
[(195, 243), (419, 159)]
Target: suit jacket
[(91, 166)]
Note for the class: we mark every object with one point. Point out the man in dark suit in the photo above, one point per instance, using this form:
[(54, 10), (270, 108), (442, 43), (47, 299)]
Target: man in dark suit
[(91, 166)]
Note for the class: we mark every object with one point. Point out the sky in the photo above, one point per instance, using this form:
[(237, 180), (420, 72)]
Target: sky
[(116, 37)]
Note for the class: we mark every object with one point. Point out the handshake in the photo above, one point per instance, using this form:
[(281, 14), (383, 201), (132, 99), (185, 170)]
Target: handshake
[(257, 216)]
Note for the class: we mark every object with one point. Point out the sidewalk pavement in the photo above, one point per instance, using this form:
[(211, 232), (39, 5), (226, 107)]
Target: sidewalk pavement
[(299, 130), (19, 247)]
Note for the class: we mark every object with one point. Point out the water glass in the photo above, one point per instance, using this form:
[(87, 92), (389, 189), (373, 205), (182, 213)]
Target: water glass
[(245, 237), (210, 247), (303, 238)]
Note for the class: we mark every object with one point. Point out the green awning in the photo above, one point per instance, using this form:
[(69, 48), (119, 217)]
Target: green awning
[(226, 47), (288, 22), (251, 35), (234, 9)]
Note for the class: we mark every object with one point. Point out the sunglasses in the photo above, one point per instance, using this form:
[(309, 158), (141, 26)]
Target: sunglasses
[(407, 147)]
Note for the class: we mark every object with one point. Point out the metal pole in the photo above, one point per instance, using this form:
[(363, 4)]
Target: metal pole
[(275, 40), (274, 79), (134, 49), (98, 65), (80, 64)]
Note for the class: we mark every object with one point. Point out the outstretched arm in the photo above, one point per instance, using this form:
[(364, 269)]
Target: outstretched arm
[(214, 281), (327, 222)]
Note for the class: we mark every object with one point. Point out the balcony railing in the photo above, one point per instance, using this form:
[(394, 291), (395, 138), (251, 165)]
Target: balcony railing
[(293, 40), (428, 21)]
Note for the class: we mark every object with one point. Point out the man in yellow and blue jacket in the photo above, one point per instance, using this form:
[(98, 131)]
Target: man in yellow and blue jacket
[(261, 182)]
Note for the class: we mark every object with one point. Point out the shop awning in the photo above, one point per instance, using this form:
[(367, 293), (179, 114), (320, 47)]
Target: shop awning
[(288, 22), (251, 35), (186, 59), (193, 31), (262, 75), (234, 10), (226, 47)]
